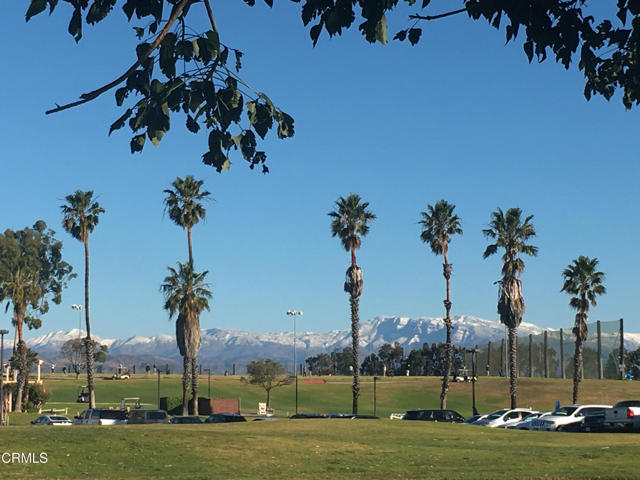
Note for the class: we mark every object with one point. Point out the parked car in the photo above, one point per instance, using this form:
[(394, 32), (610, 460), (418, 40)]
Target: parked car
[(625, 414), (474, 418), (504, 417), (349, 416), (225, 418), (55, 420), (101, 416), (186, 420), (147, 415), (525, 424), (434, 415), (566, 415), (593, 422)]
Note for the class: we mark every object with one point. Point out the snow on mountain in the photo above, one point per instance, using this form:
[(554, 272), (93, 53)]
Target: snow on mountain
[(222, 347)]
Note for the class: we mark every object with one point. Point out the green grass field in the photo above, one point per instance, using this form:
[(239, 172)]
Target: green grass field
[(319, 449)]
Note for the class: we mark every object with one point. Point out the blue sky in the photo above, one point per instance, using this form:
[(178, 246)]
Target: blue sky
[(461, 116)]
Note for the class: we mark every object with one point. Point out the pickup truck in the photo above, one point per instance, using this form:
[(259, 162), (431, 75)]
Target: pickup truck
[(624, 414)]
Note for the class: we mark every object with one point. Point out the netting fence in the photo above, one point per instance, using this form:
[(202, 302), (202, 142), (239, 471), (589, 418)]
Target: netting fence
[(550, 354)]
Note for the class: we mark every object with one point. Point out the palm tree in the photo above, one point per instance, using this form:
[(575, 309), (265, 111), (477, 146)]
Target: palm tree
[(350, 223), (183, 204), (439, 224), (187, 295), (511, 234), (80, 215), (582, 280)]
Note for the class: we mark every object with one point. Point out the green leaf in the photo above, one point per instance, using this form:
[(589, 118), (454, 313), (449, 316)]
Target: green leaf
[(401, 35), (121, 94), (528, 49), (192, 125), (139, 32), (119, 123), (214, 42), (314, 33), (167, 59), (414, 35), (99, 10), (137, 143), (75, 24), (285, 126), (238, 54), (36, 7), (381, 30)]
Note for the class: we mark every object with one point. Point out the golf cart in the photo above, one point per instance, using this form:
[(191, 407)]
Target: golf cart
[(83, 395), (121, 374)]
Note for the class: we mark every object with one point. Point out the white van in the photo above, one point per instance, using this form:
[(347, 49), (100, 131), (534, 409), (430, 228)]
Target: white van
[(101, 416)]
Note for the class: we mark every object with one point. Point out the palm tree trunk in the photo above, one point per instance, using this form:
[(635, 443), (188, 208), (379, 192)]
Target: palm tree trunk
[(88, 343), (355, 337), (513, 366), (21, 355), (268, 397), (186, 382), (23, 375), (446, 271), (189, 241), (577, 368), (195, 377)]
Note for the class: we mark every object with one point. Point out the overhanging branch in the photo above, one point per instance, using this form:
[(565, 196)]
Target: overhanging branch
[(436, 17), (87, 97)]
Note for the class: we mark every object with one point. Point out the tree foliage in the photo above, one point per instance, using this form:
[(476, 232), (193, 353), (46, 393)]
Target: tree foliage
[(75, 351), (607, 51), (268, 374), (179, 71)]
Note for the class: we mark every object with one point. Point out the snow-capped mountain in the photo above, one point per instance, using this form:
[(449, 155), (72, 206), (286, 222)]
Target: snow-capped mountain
[(221, 348)]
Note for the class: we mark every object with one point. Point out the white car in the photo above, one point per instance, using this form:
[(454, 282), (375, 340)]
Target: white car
[(55, 420), (566, 415), (504, 417), (525, 424)]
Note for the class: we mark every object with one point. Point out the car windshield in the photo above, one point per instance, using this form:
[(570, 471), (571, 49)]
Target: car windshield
[(157, 415), (113, 414), (58, 418), (564, 411), (531, 416), (497, 414)]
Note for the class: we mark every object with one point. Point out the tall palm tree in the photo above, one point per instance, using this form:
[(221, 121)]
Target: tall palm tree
[(511, 234), (582, 280), (184, 204), (80, 215), (187, 295), (439, 224), (351, 222)]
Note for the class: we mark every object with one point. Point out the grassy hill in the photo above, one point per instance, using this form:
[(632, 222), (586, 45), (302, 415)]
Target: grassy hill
[(394, 394)]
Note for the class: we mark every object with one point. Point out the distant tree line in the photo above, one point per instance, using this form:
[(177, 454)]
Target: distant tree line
[(390, 360)]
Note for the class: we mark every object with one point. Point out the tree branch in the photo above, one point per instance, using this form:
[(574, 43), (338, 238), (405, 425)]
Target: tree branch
[(87, 97), (210, 14), (436, 17)]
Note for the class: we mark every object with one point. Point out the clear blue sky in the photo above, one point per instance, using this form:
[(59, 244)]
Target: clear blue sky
[(461, 116)]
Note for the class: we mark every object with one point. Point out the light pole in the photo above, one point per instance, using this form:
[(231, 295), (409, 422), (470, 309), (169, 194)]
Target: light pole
[(158, 370), (294, 314), (375, 380), (208, 370), (79, 308), (2, 334), (474, 358)]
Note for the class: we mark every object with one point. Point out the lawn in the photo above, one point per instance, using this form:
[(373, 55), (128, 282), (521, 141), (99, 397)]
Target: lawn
[(316, 449), (327, 448)]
